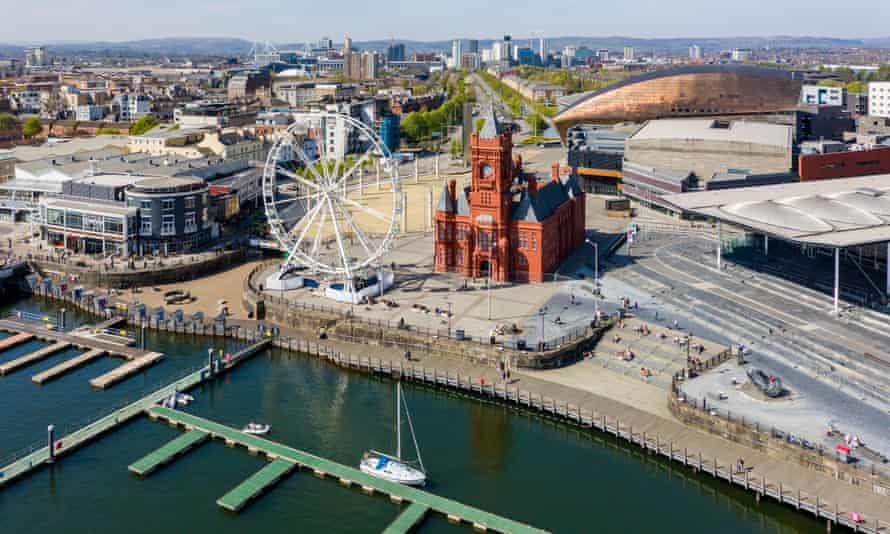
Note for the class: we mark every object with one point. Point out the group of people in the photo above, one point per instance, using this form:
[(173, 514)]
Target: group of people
[(642, 329)]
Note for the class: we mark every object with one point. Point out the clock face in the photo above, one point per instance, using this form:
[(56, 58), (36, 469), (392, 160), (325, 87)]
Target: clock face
[(487, 171)]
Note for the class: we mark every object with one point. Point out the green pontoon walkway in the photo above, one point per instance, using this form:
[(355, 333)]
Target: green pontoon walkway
[(148, 464), (236, 499), (408, 519), (455, 511)]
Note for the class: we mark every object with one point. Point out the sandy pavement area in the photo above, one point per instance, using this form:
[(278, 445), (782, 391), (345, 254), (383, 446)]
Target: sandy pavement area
[(206, 293)]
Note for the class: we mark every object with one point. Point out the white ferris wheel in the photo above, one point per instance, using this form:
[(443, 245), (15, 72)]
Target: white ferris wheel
[(333, 213)]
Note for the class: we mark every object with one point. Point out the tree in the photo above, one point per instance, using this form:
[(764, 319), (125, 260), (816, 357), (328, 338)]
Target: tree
[(856, 87), (143, 125), (8, 123), (831, 83), (846, 74), (480, 122), (537, 123), (31, 127), (457, 148)]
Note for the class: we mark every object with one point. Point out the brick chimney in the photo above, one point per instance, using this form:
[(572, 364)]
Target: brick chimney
[(532, 186), (452, 189), (554, 172)]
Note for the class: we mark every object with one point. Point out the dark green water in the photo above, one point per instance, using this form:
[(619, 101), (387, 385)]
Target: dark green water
[(495, 458)]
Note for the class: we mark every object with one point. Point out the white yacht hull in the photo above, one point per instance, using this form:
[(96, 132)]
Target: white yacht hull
[(394, 471)]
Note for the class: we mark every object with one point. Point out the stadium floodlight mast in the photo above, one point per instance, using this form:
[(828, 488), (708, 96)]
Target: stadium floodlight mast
[(315, 203)]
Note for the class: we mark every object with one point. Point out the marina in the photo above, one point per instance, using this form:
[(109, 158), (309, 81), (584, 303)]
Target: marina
[(96, 346), (33, 357), (66, 366), (235, 407), (285, 458)]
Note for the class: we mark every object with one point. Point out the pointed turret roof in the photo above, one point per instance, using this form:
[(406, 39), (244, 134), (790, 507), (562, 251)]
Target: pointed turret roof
[(491, 128)]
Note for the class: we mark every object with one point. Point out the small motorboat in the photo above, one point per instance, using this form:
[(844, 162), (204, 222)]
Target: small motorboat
[(183, 399), (256, 429)]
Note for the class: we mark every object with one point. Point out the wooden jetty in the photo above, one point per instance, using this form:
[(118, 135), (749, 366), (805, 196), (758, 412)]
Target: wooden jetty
[(257, 484), (410, 518), (151, 462), (282, 455), (137, 359), (68, 365), (15, 339), (30, 461), (33, 357), (131, 367)]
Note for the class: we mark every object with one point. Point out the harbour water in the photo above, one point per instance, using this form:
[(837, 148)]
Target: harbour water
[(499, 459)]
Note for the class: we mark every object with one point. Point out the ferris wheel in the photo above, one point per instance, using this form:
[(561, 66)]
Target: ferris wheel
[(333, 212)]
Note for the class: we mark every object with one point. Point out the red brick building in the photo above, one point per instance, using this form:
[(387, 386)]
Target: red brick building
[(846, 164), (509, 224)]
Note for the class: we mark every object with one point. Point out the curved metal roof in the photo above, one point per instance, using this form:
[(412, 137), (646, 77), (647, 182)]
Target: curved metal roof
[(844, 212), (688, 91), (748, 70)]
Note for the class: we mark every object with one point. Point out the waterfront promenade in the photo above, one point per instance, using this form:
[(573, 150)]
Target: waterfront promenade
[(765, 475), (590, 404)]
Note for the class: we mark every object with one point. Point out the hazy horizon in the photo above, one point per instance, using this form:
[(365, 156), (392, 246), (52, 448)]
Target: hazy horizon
[(55, 21)]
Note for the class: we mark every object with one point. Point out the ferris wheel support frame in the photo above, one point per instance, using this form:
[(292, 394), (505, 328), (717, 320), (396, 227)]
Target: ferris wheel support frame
[(324, 193)]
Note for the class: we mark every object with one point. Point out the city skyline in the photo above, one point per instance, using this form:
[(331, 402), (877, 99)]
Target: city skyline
[(56, 21)]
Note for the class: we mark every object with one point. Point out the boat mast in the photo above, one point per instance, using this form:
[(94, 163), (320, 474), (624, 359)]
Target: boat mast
[(398, 420)]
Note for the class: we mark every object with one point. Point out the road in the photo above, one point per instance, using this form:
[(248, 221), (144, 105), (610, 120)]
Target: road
[(787, 327)]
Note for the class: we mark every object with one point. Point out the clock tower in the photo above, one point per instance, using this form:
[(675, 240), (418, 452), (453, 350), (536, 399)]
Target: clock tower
[(491, 151)]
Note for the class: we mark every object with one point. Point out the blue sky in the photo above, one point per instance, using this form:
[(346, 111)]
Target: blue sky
[(302, 20)]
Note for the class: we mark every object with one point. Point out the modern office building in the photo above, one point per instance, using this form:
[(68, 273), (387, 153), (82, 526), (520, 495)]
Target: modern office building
[(742, 54), (629, 53), (173, 214), (695, 52), (595, 155), (819, 95), (879, 99), (90, 112), (395, 52), (456, 53), (131, 106), (390, 132), (212, 114), (128, 214), (37, 57), (844, 161)]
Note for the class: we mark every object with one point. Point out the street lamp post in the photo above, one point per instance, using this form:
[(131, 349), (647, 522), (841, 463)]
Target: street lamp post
[(489, 290), (542, 312), (449, 318), (596, 277)]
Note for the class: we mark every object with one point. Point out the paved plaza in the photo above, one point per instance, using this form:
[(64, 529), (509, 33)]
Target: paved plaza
[(835, 366), (549, 311)]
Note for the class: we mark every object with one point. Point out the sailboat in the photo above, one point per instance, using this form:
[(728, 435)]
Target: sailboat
[(393, 467)]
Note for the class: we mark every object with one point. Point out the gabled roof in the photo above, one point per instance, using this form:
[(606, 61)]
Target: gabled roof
[(549, 198)]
